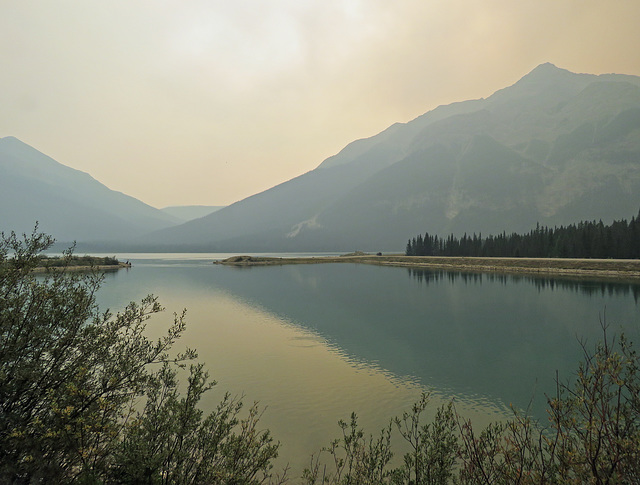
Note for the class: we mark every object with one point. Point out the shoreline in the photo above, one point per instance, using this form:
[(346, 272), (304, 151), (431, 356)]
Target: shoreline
[(103, 267), (601, 268)]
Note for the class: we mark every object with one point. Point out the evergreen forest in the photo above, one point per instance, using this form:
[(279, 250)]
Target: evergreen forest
[(618, 240)]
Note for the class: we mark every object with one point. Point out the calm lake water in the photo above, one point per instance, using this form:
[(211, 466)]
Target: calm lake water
[(312, 343)]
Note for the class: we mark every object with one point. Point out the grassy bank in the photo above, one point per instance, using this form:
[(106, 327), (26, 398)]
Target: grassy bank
[(80, 263)]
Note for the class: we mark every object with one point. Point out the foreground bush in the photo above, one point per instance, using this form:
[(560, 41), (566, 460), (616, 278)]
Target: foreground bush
[(592, 437), (86, 397)]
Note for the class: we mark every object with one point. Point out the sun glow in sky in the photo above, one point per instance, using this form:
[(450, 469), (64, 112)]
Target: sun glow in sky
[(208, 102)]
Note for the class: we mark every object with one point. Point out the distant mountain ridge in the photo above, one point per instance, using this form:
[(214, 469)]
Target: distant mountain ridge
[(189, 212), (556, 147), (67, 203)]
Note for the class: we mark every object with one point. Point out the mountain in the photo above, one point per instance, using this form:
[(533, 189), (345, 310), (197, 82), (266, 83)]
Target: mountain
[(189, 212), (555, 148), (67, 203)]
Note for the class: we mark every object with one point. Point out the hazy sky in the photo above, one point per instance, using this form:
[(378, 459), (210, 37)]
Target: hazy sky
[(209, 101)]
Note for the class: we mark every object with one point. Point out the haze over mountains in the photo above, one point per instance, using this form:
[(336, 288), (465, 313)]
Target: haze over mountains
[(67, 203), (186, 213), (554, 148)]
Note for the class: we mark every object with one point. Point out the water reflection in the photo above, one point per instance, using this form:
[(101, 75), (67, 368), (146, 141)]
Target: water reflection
[(499, 336), (315, 342), (588, 286)]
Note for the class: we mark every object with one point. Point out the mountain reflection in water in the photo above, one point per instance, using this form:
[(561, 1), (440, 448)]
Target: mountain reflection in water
[(315, 342)]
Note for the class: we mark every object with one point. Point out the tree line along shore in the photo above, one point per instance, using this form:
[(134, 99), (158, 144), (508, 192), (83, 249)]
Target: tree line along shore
[(587, 239), (583, 249)]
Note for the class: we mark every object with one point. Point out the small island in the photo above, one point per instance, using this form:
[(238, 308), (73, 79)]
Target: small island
[(80, 263)]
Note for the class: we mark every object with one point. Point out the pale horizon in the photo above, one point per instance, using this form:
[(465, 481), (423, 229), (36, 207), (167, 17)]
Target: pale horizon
[(207, 104)]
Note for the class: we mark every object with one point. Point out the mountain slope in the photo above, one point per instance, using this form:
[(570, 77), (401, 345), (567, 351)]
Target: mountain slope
[(555, 148), (186, 213), (67, 203)]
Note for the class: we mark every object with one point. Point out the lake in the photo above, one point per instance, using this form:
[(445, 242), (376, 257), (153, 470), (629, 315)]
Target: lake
[(312, 343)]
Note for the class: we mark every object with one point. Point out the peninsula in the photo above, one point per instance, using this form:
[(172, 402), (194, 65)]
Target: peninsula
[(609, 268)]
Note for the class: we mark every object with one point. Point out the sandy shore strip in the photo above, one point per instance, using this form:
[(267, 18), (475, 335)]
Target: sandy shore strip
[(609, 268)]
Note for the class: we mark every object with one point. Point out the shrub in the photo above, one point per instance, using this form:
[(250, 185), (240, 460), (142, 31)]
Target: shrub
[(86, 397), (592, 437)]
